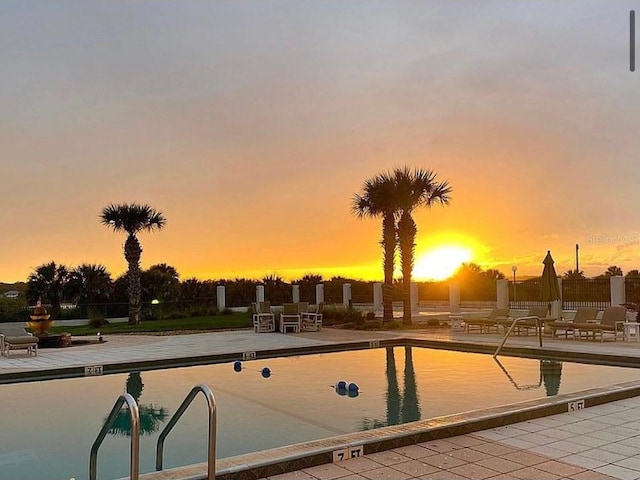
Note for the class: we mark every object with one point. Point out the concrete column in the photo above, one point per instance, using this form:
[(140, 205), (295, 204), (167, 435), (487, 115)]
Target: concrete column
[(454, 298), (414, 297), (556, 307), (296, 293), (377, 297), (220, 298), (503, 293), (618, 295), (319, 293), (260, 293), (346, 294)]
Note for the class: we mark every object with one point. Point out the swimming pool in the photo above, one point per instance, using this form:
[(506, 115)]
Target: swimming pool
[(53, 423)]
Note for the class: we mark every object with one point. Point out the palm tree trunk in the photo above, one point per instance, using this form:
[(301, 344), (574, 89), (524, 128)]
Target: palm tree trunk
[(389, 247), (132, 253), (406, 238)]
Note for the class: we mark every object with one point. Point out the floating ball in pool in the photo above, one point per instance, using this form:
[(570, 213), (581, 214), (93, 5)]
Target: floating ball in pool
[(237, 366), (266, 372)]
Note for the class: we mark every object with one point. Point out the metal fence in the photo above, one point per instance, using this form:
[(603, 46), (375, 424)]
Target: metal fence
[(588, 292)]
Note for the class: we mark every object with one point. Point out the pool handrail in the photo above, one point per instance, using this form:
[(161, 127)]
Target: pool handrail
[(134, 461), (515, 321), (211, 404)]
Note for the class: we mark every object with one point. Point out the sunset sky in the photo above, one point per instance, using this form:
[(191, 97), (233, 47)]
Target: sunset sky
[(251, 124)]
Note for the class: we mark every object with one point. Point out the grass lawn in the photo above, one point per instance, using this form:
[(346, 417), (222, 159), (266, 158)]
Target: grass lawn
[(217, 322)]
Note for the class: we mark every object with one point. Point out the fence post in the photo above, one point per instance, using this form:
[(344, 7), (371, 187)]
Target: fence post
[(220, 297), (260, 293), (377, 297), (454, 298), (295, 293), (346, 294), (319, 293), (502, 300), (414, 297), (618, 294)]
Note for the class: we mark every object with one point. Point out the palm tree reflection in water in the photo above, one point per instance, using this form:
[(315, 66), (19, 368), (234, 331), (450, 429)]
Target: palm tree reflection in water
[(400, 408), (151, 416)]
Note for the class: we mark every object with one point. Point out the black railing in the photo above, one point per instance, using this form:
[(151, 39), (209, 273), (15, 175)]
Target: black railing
[(590, 292)]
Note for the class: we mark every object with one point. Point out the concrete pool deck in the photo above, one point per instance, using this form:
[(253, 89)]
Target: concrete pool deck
[(598, 442)]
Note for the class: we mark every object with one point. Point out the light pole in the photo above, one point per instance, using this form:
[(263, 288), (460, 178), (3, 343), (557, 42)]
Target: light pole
[(514, 269)]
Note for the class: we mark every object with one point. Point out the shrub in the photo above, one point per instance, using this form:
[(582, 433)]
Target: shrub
[(96, 318)]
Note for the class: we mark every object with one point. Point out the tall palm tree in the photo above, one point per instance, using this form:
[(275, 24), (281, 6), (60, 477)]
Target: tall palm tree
[(378, 199), (132, 218), (414, 188)]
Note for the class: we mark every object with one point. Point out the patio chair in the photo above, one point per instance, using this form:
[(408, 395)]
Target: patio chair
[(263, 320), (13, 337), (312, 320), (488, 322), (612, 322), (290, 318), (303, 307), (529, 320), (583, 315)]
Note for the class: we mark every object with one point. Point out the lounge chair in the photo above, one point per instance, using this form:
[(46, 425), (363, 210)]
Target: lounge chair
[(13, 337), (312, 320), (583, 315), (488, 322), (612, 320), (290, 318), (529, 321), (263, 319)]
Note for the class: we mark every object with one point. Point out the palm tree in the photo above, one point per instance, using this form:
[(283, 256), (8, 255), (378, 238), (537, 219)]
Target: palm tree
[(49, 283), (414, 188), (378, 199), (132, 218), (90, 283)]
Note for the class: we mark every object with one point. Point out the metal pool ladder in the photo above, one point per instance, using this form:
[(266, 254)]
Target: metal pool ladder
[(211, 405), (135, 433), (135, 437), (539, 325)]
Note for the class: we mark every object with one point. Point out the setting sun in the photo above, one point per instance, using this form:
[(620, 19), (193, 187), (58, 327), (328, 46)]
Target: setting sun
[(441, 262)]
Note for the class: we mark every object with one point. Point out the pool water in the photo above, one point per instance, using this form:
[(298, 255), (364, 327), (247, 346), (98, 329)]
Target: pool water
[(48, 427)]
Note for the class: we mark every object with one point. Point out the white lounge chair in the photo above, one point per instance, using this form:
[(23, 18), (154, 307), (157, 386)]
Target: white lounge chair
[(13, 337)]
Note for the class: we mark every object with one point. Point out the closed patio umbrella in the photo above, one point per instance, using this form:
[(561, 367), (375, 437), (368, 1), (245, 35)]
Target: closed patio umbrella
[(549, 284)]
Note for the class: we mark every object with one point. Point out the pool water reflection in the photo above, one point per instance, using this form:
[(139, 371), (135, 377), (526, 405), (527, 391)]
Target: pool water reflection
[(54, 423)]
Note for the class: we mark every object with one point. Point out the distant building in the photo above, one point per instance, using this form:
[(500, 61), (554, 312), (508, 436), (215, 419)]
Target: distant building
[(11, 294)]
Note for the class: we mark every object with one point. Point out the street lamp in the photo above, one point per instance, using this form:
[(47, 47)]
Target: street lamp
[(514, 269)]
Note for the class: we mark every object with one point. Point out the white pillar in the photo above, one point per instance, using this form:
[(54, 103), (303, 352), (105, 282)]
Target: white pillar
[(319, 293), (454, 298), (618, 295), (414, 297), (377, 297), (502, 286), (556, 307), (346, 294), (296, 293), (260, 293), (220, 297)]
